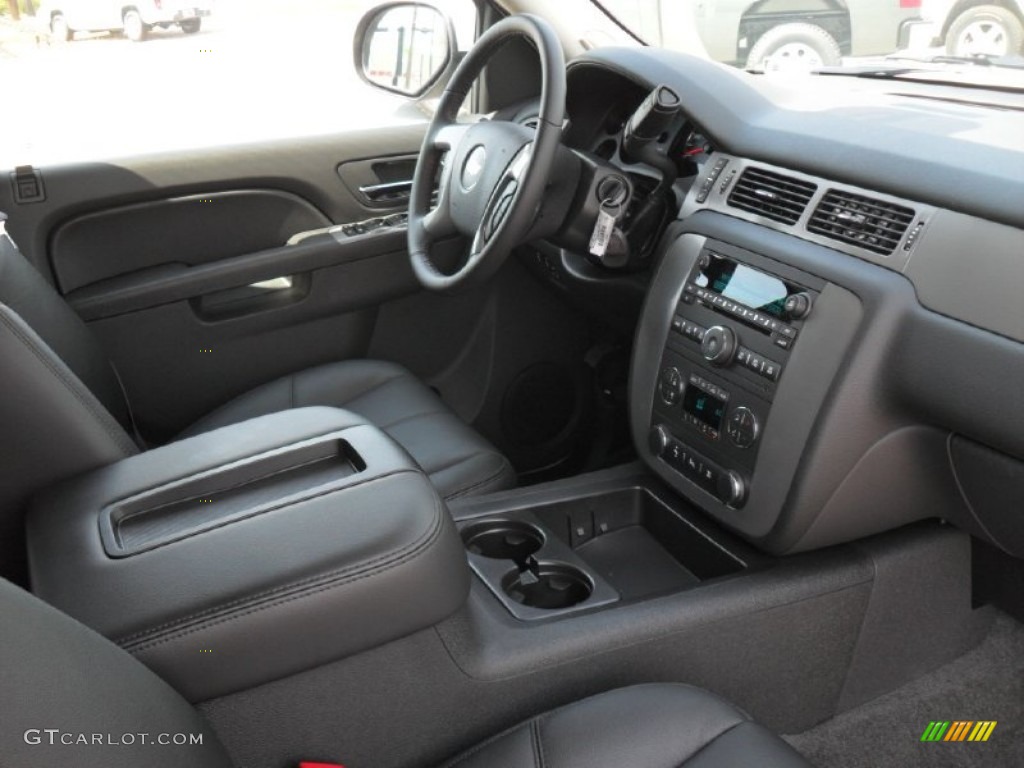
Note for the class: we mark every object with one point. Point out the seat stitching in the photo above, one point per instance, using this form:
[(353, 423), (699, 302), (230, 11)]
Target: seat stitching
[(480, 484), (538, 746), (463, 756), (710, 742), (452, 463), (404, 419), (73, 385), (480, 746), (327, 583), (376, 386)]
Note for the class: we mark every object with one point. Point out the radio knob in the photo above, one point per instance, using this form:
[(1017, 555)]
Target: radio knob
[(719, 345), (732, 490), (798, 306), (657, 440)]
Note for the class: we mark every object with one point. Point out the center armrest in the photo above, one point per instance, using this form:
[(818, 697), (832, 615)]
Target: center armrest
[(255, 551)]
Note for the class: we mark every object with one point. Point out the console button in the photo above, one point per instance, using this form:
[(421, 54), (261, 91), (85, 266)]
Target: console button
[(658, 440), (676, 455), (703, 472), (581, 527), (670, 386)]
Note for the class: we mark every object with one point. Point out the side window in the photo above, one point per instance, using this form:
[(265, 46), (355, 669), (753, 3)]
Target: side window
[(84, 80)]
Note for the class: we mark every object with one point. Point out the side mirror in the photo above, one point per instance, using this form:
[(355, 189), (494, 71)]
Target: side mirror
[(404, 47)]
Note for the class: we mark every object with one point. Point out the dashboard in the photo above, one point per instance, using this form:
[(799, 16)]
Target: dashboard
[(831, 339)]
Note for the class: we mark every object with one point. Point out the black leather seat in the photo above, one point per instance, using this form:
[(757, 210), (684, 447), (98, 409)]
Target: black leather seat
[(458, 460), (645, 726), (57, 674), (66, 388)]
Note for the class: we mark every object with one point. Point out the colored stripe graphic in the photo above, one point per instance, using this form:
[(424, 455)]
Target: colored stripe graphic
[(935, 730), (982, 730), (959, 730)]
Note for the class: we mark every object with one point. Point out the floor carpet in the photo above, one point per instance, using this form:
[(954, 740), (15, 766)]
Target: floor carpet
[(984, 684)]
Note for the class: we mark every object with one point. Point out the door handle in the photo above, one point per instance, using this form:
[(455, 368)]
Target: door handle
[(274, 284), (391, 192)]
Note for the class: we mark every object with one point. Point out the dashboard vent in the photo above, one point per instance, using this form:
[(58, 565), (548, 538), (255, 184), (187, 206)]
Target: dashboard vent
[(872, 224), (772, 195)]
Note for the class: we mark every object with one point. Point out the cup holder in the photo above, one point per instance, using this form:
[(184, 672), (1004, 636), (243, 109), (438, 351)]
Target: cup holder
[(550, 586), (503, 539)]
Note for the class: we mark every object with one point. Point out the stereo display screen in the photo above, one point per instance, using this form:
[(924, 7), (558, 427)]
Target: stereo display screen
[(745, 285)]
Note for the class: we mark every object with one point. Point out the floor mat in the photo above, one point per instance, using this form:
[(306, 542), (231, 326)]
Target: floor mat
[(986, 684)]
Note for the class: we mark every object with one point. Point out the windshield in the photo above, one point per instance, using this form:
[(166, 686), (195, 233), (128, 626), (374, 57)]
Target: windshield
[(89, 80), (971, 42)]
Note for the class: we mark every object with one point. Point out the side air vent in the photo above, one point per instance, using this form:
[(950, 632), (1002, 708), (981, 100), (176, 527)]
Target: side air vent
[(771, 194), (531, 123), (871, 224)]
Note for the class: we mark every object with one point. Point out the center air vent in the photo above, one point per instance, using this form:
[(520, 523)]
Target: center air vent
[(872, 224), (772, 195)]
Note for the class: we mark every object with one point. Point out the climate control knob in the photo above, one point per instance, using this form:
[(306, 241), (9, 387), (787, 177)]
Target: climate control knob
[(670, 386), (732, 489), (719, 345), (743, 427)]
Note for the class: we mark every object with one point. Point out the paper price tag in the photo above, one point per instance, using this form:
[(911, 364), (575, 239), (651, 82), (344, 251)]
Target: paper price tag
[(602, 233)]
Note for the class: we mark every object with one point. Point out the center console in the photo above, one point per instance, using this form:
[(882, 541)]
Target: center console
[(733, 329), (253, 552), (734, 366), (598, 546)]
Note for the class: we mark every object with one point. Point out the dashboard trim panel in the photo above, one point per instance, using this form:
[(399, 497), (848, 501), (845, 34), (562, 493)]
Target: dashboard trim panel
[(733, 168)]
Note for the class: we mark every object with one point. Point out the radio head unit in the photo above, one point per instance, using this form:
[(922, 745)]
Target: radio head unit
[(733, 329)]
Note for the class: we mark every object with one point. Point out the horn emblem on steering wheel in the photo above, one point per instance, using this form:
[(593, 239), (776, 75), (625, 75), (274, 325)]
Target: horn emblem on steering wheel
[(473, 167)]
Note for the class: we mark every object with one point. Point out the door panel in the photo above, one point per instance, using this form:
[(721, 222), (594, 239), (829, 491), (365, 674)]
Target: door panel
[(176, 261), (180, 231), (142, 289), (305, 168)]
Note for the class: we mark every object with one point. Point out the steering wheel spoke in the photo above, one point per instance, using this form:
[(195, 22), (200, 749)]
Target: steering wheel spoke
[(438, 223), (502, 199), (448, 135)]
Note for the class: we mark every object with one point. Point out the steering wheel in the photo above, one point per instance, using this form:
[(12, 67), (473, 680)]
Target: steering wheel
[(493, 181)]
